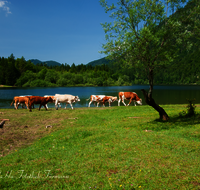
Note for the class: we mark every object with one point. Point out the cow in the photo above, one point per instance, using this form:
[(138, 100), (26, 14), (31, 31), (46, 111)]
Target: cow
[(53, 98), (39, 100), (132, 96), (20, 100), (95, 98), (65, 98), (22, 103), (108, 99)]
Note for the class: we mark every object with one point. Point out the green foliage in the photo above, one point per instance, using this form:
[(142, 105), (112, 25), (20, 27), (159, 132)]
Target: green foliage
[(23, 73), (143, 36), (190, 109)]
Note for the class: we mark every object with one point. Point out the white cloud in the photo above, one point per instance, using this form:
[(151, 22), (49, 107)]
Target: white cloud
[(4, 6)]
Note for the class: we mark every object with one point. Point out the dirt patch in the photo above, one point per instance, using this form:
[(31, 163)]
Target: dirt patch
[(20, 133)]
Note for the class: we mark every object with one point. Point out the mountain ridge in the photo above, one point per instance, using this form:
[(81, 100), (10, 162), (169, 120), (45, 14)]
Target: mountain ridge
[(100, 61), (49, 63)]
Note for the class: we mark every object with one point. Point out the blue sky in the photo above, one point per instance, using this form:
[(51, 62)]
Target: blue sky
[(66, 31)]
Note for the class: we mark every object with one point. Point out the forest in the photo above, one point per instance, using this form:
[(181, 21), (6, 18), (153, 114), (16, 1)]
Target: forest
[(21, 73), (182, 68)]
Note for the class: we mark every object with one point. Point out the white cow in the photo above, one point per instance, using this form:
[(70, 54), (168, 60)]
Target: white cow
[(95, 98), (65, 98)]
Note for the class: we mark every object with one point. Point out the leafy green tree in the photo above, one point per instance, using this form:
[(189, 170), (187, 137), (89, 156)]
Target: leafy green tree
[(73, 68), (38, 83), (77, 79), (110, 82), (140, 36), (3, 63), (51, 76), (26, 78), (11, 73), (41, 74)]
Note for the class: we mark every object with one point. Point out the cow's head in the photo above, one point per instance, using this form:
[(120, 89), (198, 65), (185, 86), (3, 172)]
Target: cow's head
[(49, 99), (114, 98), (77, 99), (139, 102)]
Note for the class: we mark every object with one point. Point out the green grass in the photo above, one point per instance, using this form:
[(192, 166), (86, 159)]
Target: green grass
[(100, 148)]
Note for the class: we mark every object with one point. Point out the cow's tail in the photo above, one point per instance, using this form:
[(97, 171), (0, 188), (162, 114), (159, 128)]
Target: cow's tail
[(29, 106), (88, 99), (12, 102)]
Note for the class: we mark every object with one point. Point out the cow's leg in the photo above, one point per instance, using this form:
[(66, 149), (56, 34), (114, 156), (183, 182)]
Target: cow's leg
[(129, 102), (123, 100), (30, 105), (134, 103), (27, 105), (66, 106), (119, 101), (56, 104), (71, 105), (45, 106), (90, 103), (16, 107), (22, 105), (40, 106)]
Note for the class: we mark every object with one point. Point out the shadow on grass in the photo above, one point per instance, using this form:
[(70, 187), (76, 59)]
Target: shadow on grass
[(174, 122)]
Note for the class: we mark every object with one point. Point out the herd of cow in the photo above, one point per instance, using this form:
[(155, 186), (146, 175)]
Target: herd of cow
[(29, 100)]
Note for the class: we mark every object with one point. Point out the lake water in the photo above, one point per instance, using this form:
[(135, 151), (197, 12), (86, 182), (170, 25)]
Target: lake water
[(161, 93)]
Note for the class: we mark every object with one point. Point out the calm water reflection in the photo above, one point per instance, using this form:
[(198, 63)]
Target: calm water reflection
[(162, 94)]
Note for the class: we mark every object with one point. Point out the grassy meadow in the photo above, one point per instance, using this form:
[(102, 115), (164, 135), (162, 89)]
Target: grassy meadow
[(100, 148)]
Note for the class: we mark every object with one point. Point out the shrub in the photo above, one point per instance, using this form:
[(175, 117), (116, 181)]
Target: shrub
[(190, 109)]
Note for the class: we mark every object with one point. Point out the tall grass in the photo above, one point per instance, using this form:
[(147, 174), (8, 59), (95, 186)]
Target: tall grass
[(102, 148)]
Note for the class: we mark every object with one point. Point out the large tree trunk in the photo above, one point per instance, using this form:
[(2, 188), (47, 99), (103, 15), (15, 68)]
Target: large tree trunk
[(150, 101)]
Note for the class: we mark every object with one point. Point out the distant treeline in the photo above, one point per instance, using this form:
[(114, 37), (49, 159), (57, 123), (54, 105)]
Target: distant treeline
[(22, 73)]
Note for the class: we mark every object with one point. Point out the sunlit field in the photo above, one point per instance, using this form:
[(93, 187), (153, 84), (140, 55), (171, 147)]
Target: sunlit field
[(100, 148)]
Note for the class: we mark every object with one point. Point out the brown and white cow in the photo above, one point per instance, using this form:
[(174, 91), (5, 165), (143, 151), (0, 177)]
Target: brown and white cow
[(53, 98), (39, 100), (95, 98), (65, 98), (22, 103), (109, 99), (20, 100), (132, 96)]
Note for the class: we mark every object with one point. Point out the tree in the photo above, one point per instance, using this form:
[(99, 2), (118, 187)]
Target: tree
[(3, 64), (140, 36), (51, 76)]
